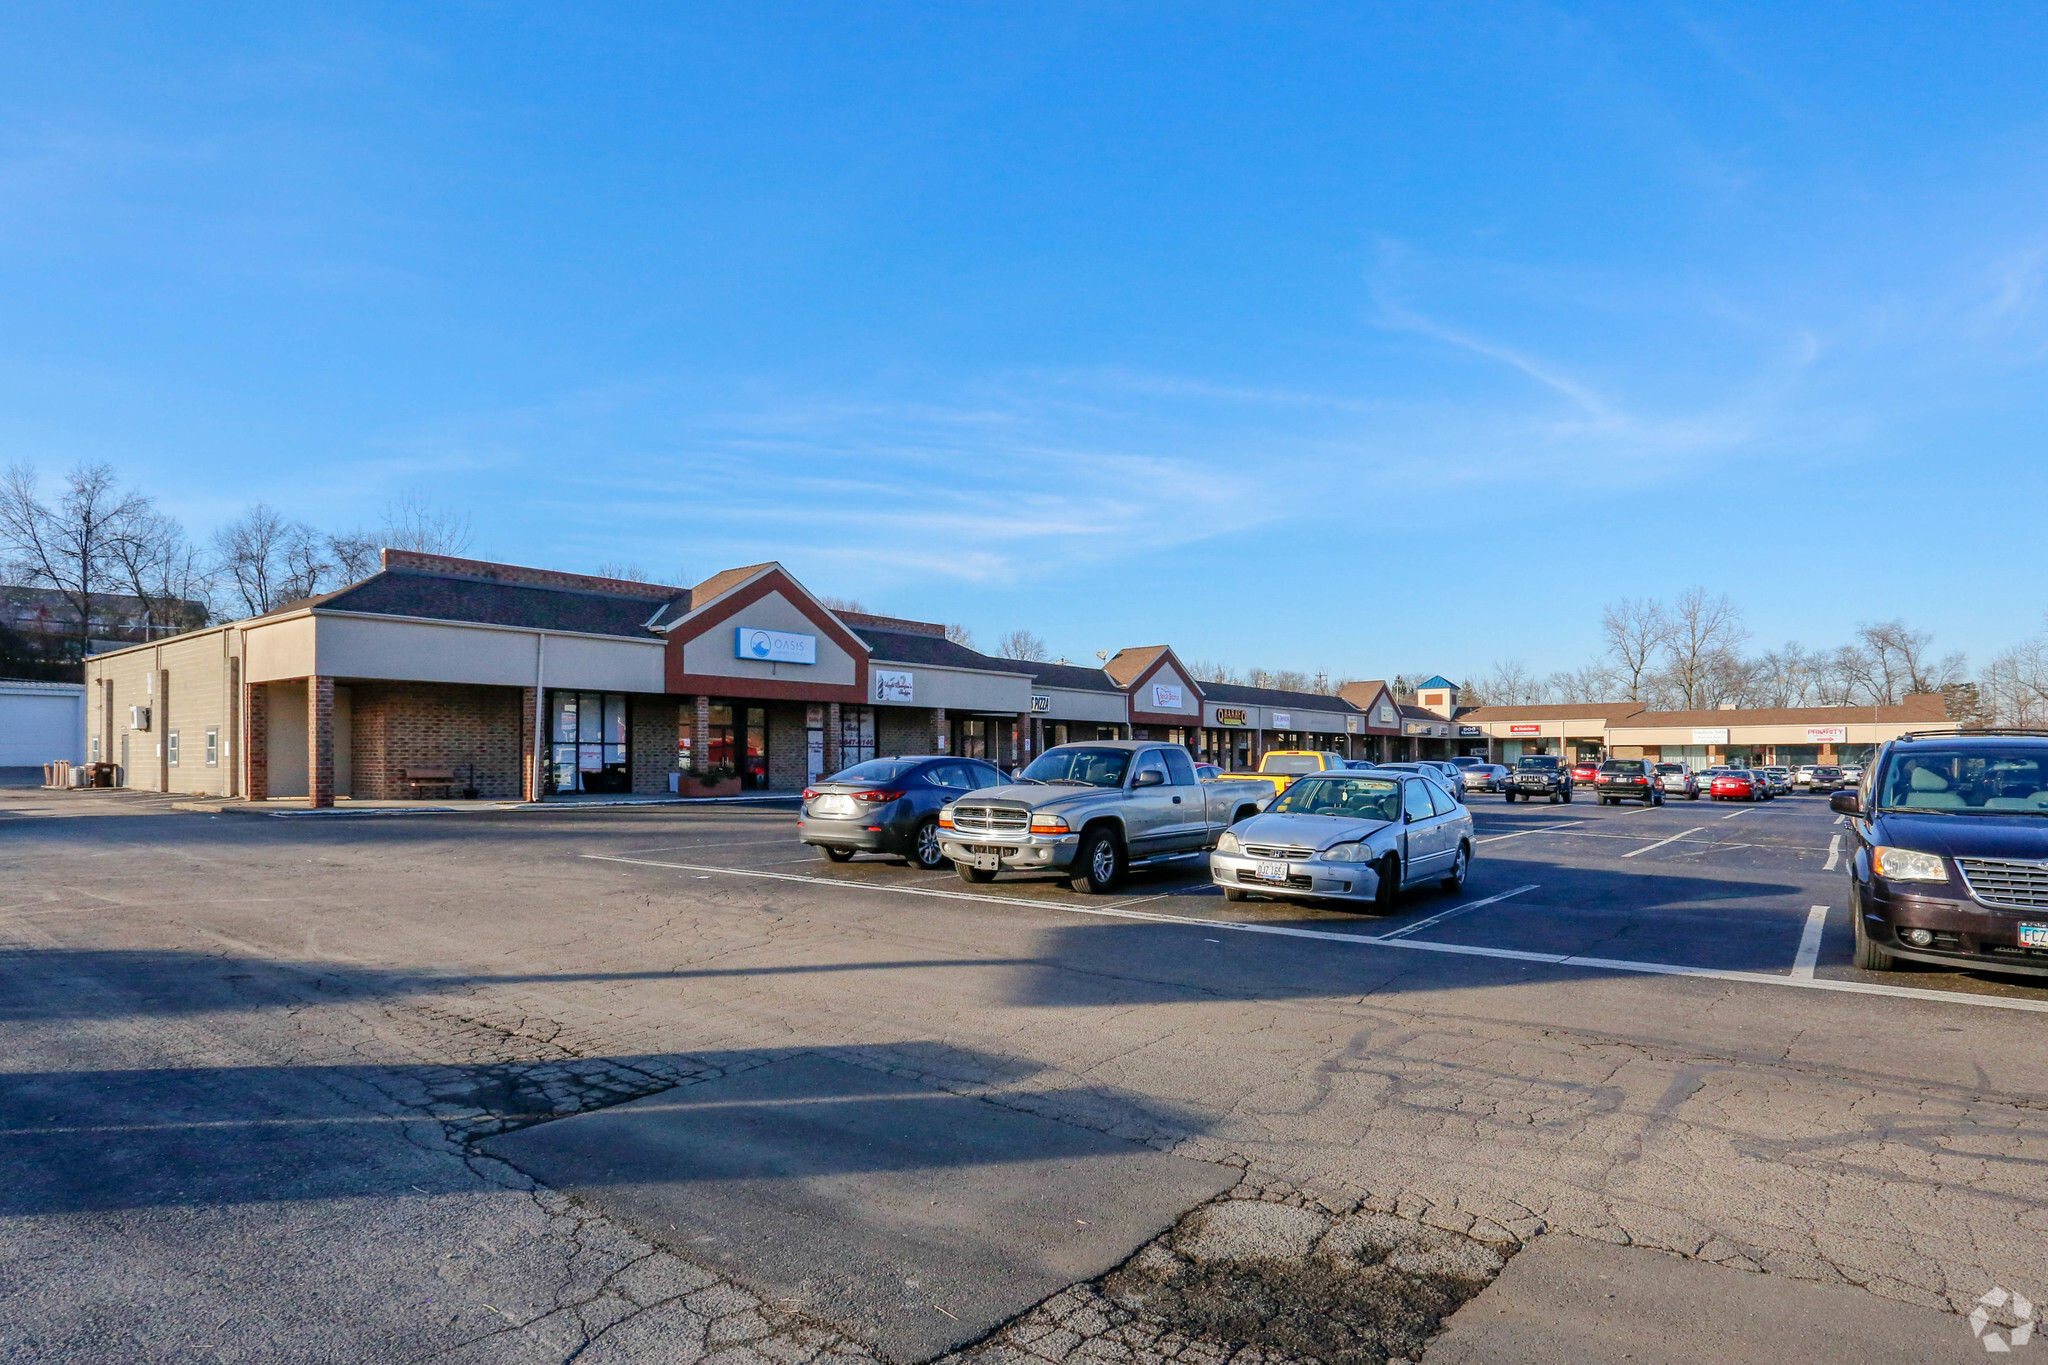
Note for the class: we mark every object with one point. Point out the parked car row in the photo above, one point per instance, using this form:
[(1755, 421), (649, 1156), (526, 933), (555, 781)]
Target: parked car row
[(1340, 830)]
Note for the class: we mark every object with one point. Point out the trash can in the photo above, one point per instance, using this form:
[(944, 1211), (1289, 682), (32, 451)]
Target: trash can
[(102, 774)]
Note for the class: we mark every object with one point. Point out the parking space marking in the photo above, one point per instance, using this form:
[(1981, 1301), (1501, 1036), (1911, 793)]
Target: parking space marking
[(1733, 813), (1809, 943), (1114, 910), (1541, 829), (1440, 917), (1834, 854), (1646, 848), (1841, 819)]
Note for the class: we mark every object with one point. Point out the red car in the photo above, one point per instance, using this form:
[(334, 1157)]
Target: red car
[(1739, 785), (1588, 773)]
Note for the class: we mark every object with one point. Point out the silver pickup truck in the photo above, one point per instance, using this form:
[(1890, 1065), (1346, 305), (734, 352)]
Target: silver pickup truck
[(1094, 811)]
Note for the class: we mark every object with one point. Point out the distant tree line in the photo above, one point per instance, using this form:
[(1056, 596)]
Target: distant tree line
[(93, 541)]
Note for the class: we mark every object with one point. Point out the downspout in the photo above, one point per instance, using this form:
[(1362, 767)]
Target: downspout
[(540, 709)]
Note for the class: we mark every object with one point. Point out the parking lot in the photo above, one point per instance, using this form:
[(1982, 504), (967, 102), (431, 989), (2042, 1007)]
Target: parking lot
[(262, 1073)]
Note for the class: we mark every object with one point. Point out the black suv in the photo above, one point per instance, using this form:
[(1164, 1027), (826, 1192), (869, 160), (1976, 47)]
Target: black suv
[(1540, 775), (1628, 779), (1950, 863)]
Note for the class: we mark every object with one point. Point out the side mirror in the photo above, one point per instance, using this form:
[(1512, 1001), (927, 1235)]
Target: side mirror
[(1846, 803), (1151, 777)]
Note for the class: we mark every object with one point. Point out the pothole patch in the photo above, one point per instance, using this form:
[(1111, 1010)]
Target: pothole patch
[(1251, 1280)]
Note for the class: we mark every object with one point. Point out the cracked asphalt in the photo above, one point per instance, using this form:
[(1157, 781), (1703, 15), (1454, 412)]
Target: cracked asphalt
[(247, 1062)]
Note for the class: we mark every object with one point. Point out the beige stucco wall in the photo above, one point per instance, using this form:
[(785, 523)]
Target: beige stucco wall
[(1168, 676), (712, 653), (279, 649), (959, 689), (418, 651), (1074, 704)]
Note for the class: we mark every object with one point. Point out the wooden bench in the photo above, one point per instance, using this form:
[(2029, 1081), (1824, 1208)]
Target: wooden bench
[(416, 778)]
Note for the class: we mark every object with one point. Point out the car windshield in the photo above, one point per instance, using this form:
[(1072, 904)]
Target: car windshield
[(1537, 762), (1356, 798), (1288, 764), (876, 770), (1622, 765), (1994, 780), (1080, 767)]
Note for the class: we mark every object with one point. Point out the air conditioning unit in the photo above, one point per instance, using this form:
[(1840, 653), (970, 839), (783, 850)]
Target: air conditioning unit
[(138, 717)]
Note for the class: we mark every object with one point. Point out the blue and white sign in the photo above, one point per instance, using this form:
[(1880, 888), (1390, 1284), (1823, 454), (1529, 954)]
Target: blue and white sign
[(774, 646)]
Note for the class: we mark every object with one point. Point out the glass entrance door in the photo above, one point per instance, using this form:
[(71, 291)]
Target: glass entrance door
[(588, 732)]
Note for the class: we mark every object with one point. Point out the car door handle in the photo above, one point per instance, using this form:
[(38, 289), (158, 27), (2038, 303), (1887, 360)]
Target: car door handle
[(1176, 800)]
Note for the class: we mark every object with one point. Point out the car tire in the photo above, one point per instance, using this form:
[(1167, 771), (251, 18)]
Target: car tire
[(838, 855), (1692, 796), (1657, 800), (1509, 797), (1553, 799), (1567, 796), (1236, 893), (1389, 890), (1869, 956), (1099, 863), (980, 876), (924, 846), (1461, 866)]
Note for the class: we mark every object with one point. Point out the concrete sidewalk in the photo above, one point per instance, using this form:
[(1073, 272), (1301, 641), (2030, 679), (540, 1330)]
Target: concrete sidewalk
[(1594, 1303)]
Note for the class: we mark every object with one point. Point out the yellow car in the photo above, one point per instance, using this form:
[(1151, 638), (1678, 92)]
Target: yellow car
[(1282, 766)]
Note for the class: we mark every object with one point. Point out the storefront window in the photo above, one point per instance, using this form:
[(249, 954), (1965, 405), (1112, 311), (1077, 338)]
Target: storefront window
[(856, 734), (754, 775), (718, 751), (974, 739), (588, 734)]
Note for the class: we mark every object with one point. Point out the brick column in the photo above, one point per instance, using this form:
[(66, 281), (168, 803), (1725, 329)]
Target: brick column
[(256, 742), (834, 761), (700, 742), (319, 742), (941, 737), (530, 743)]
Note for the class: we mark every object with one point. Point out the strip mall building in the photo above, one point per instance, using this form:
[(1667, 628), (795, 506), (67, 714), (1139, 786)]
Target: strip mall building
[(440, 676)]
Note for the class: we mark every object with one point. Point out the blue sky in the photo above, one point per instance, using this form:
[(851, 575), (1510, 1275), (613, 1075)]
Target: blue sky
[(1307, 336)]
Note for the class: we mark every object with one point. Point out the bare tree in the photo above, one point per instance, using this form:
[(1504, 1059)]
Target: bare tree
[(851, 604), (1704, 631), (1636, 631), (1510, 684), (355, 555), (2015, 686), (1902, 662), (627, 572), (151, 557), (959, 634), (68, 545), (1589, 683), (413, 523), (1022, 644), (1206, 670), (270, 560)]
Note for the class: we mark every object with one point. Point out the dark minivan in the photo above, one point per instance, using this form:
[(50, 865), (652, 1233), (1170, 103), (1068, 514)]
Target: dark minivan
[(1951, 856), (889, 805)]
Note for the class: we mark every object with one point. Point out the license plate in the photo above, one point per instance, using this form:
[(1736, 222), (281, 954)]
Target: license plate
[(1271, 872), (987, 861), (832, 805), (2034, 936)]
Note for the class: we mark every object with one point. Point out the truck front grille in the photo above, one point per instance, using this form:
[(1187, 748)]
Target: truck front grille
[(991, 820), (1998, 882)]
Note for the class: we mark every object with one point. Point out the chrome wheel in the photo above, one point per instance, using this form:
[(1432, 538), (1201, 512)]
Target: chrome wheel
[(1102, 867), (1456, 880), (928, 855)]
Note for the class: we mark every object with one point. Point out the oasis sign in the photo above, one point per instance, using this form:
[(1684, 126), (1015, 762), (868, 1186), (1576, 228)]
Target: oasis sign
[(774, 646)]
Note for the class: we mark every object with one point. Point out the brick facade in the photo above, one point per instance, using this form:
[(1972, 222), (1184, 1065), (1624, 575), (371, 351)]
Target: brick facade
[(256, 741), (902, 730), (320, 741), (788, 746), (440, 725), (652, 726), (531, 776)]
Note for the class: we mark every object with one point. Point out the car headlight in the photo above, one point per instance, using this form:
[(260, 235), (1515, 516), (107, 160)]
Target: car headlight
[(1346, 853), (1228, 843), (1908, 865)]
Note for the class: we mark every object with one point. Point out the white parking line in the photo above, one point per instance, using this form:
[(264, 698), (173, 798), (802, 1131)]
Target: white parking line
[(1841, 819), (1439, 918), (1608, 964), (1541, 829), (1661, 842), (1834, 854), (1733, 813), (1809, 943)]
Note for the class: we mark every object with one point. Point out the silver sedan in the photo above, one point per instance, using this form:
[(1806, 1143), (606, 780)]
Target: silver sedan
[(1349, 836)]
